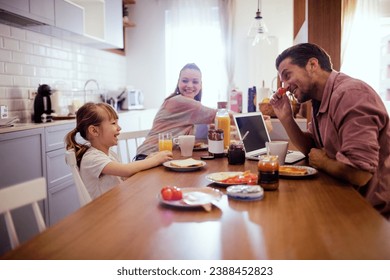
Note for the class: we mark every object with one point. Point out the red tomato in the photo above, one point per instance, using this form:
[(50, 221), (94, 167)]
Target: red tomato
[(176, 194), (166, 193)]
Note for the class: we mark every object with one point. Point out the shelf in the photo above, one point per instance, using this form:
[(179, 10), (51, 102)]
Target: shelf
[(129, 24), (128, 2)]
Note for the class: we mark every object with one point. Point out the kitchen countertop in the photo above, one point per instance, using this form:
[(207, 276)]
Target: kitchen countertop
[(30, 125), (26, 126)]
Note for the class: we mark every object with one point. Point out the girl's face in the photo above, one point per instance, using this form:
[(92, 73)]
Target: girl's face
[(190, 83), (108, 132)]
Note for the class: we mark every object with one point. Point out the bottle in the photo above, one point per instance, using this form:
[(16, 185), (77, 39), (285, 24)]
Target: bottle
[(222, 121), (236, 101), (268, 172), (252, 99)]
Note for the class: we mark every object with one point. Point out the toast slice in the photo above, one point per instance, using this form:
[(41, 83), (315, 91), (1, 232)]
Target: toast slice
[(189, 162), (292, 170)]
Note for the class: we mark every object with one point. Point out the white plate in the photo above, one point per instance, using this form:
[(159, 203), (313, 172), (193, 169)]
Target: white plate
[(195, 197), (310, 172), (202, 147), (220, 176), (245, 192), (183, 169)]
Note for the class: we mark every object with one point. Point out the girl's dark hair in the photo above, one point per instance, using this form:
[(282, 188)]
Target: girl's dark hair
[(88, 114), (192, 66), (301, 53)]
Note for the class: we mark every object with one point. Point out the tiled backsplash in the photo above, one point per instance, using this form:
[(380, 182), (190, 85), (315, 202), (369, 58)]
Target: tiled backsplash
[(28, 59)]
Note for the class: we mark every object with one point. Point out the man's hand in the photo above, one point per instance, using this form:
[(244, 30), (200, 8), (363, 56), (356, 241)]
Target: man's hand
[(318, 158)]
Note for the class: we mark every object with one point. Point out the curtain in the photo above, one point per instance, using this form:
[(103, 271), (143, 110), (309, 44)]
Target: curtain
[(347, 20), (193, 35), (227, 10), (361, 41)]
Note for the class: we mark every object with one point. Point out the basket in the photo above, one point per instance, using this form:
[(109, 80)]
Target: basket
[(266, 109)]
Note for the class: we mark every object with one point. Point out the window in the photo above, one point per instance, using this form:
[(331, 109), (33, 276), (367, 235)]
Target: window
[(367, 53), (193, 35)]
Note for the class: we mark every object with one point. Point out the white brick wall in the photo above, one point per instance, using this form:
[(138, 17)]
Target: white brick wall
[(28, 59)]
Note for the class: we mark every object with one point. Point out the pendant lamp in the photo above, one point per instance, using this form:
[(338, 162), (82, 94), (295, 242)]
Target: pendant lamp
[(258, 29)]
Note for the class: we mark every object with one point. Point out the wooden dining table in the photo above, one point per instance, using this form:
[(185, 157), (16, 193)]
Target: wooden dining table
[(311, 217)]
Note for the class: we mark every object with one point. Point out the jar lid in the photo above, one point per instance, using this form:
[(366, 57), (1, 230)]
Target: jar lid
[(222, 105), (268, 158)]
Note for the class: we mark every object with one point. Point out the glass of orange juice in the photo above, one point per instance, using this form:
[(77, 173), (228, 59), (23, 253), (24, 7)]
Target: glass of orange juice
[(165, 141)]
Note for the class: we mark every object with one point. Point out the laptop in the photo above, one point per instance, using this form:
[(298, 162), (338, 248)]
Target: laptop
[(254, 142)]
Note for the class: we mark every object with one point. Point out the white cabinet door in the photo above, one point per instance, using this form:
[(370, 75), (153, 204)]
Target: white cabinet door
[(63, 201), (43, 10), (16, 6), (69, 17), (37, 10), (114, 23)]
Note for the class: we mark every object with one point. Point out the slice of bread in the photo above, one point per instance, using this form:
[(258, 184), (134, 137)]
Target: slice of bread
[(189, 162)]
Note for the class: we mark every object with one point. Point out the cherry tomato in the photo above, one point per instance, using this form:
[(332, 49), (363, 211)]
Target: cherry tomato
[(281, 91)]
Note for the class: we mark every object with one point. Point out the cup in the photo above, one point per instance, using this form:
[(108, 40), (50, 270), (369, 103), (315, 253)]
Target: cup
[(186, 144), (278, 148), (165, 141)]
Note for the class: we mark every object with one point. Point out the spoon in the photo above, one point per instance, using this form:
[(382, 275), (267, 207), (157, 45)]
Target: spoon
[(245, 135)]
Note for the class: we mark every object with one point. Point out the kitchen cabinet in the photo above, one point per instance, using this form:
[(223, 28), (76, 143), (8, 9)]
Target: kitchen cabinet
[(41, 11), (103, 22), (21, 159), (95, 23), (75, 23), (33, 153), (62, 194)]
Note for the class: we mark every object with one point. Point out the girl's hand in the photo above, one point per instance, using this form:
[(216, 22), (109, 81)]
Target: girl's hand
[(161, 157)]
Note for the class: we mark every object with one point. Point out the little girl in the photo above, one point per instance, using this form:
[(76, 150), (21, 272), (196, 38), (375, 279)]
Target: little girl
[(99, 166)]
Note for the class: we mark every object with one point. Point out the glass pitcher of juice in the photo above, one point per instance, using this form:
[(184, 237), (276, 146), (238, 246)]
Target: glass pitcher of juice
[(222, 121)]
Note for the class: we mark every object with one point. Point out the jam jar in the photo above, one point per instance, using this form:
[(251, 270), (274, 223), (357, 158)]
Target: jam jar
[(236, 154), (268, 172)]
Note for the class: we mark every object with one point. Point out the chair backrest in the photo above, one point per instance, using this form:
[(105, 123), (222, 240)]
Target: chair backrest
[(70, 158), (19, 195), (128, 144)]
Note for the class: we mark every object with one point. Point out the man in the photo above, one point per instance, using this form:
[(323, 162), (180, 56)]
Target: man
[(349, 135)]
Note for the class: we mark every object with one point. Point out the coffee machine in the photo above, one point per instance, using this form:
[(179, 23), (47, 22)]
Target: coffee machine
[(42, 105)]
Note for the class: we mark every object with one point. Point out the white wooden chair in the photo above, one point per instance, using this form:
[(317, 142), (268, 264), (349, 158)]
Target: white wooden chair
[(128, 144), (19, 195), (70, 158)]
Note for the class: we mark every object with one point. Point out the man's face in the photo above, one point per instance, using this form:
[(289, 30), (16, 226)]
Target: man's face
[(297, 80)]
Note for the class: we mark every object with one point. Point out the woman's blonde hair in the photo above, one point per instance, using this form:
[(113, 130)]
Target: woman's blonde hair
[(88, 114)]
